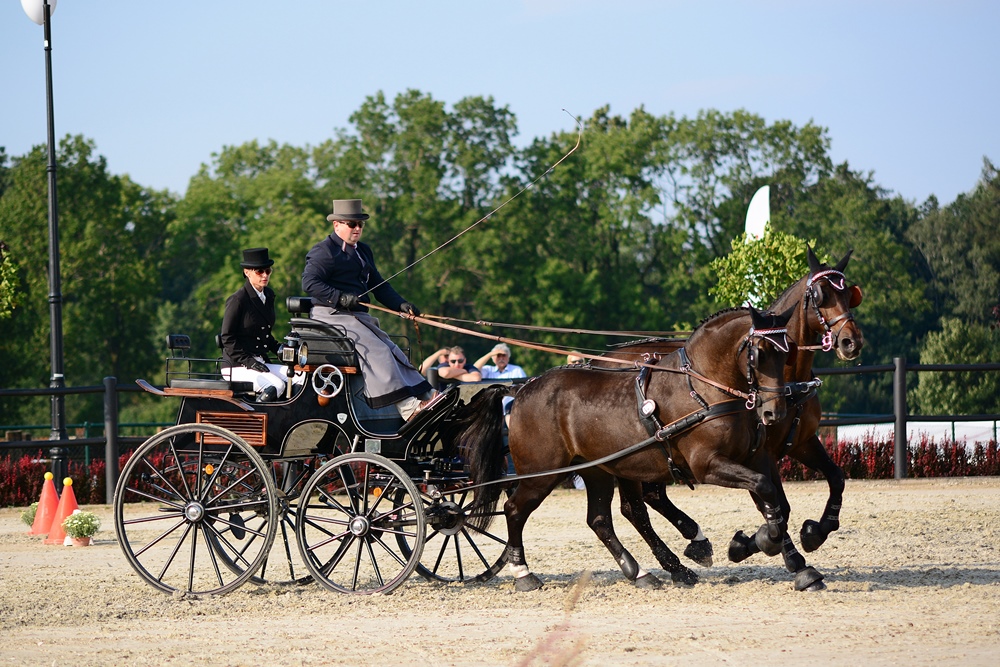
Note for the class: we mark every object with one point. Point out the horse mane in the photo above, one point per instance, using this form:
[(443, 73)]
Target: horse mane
[(714, 316), (788, 290)]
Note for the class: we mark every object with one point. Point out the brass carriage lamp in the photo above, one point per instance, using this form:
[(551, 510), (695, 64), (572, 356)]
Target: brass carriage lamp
[(290, 350)]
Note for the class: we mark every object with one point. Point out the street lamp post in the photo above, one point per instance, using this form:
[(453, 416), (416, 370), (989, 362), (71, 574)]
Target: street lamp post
[(40, 11)]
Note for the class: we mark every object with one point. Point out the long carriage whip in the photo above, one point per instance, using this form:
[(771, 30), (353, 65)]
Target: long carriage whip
[(579, 137)]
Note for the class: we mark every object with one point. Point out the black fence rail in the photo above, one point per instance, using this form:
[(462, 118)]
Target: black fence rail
[(900, 415), (58, 448), (113, 441)]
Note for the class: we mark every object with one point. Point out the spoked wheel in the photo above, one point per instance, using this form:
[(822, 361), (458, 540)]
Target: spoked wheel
[(283, 566), (464, 544), (196, 510), (351, 514)]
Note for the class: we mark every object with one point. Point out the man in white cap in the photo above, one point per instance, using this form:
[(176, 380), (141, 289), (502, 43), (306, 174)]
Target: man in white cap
[(340, 272), (501, 369)]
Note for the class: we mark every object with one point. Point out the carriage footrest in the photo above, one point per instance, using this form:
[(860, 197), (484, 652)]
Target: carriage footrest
[(199, 383)]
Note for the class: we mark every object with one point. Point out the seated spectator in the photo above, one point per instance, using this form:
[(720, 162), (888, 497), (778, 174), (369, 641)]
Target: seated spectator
[(501, 369), (439, 358), (454, 368)]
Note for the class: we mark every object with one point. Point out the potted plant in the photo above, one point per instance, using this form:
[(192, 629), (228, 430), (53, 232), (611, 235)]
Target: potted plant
[(80, 527), (28, 515)]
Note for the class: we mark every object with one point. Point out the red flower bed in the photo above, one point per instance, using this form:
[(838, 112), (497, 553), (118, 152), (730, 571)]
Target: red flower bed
[(873, 459)]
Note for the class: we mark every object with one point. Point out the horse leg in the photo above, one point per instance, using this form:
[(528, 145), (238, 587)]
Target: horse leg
[(634, 509), (699, 549), (813, 454), (767, 496), (600, 491), (807, 578), (527, 496)]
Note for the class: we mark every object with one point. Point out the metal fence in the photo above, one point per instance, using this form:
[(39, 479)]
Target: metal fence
[(111, 440)]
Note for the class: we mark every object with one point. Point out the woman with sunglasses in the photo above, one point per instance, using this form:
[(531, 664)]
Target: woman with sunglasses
[(246, 330), (339, 275)]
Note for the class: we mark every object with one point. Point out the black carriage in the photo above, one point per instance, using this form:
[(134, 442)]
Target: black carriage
[(315, 486)]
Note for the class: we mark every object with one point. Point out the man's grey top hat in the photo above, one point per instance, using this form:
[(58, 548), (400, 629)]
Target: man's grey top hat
[(347, 209), (256, 258)]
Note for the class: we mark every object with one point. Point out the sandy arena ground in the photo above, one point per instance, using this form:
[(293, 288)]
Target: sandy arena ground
[(913, 579)]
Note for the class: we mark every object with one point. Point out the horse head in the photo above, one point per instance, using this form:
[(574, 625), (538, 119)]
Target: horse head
[(768, 350), (827, 304)]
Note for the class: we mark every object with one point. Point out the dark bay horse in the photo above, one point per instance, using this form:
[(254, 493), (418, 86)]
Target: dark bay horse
[(582, 416), (822, 319)]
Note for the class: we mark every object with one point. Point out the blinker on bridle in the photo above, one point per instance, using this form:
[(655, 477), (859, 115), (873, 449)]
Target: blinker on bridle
[(777, 336)]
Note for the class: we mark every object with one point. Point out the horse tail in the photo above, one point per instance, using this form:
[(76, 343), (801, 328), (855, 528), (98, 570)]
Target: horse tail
[(481, 444)]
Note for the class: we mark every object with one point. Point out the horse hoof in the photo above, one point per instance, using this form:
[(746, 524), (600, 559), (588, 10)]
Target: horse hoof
[(649, 582), (809, 580), (527, 583), (811, 536), (684, 577), (765, 543), (700, 551), (741, 547)]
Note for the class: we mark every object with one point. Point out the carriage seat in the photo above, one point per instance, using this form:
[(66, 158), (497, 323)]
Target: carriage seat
[(184, 372), (325, 343)]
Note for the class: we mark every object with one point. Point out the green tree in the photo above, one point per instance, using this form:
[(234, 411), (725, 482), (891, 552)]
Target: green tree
[(715, 162), (251, 195), (759, 270), (962, 249), (111, 234), (957, 393), (8, 283)]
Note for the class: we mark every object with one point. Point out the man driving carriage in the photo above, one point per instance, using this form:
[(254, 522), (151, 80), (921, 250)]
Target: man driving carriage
[(339, 274)]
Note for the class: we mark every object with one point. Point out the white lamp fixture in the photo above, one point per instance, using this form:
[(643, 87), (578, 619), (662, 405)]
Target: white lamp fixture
[(35, 9)]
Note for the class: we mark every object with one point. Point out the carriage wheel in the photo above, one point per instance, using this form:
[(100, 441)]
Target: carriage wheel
[(351, 513), (183, 499), (455, 549), (283, 566)]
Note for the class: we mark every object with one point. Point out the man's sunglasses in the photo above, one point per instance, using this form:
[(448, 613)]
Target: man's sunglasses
[(456, 361), (353, 223), (264, 272)]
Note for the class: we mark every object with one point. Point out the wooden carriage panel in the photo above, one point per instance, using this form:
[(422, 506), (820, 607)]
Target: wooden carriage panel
[(251, 426)]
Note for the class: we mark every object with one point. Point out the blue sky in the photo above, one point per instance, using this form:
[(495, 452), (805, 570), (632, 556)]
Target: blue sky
[(907, 90)]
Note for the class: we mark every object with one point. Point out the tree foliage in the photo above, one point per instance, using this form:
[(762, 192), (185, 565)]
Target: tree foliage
[(962, 250), (759, 270), (947, 392), (640, 229)]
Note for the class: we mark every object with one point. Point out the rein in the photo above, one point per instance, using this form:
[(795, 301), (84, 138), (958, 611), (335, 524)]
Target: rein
[(530, 327), (685, 369)]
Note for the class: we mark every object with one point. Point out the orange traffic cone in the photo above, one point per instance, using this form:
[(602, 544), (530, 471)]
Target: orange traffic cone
[(47, 503), (67, 503)]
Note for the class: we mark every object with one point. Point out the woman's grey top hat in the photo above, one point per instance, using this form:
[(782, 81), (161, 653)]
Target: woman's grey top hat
[(256, 258), (347, 209)]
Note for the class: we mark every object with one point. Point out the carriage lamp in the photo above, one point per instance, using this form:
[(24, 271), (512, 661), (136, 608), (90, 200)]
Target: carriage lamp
[(290, 351)]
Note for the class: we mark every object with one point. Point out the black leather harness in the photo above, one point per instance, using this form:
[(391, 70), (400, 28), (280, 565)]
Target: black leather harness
[(664, 434)]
